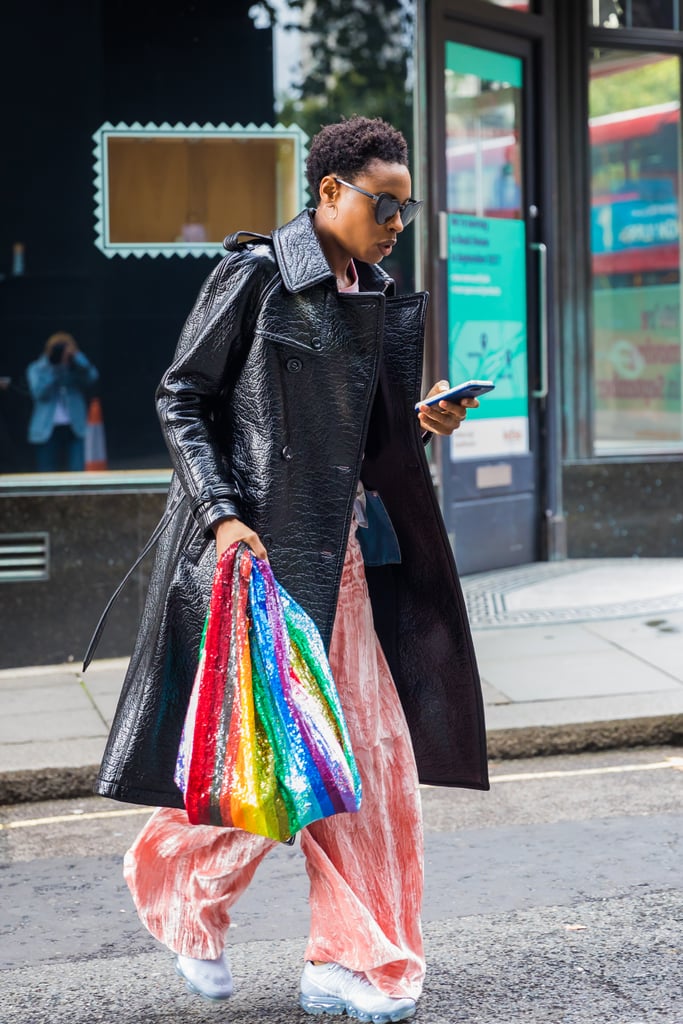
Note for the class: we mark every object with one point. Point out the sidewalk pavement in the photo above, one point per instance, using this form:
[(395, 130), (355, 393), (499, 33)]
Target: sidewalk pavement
[(575, 655)]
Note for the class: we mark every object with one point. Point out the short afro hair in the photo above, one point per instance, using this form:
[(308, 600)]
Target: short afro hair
[(347, 147)]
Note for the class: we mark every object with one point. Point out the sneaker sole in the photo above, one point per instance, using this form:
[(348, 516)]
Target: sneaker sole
[(337, 1007), (191, 987)]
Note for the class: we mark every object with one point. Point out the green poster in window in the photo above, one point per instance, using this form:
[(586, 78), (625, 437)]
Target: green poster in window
[(487, 64), (638, 372), (487, 325)]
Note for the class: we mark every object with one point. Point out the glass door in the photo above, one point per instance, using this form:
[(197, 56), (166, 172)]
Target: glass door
[(492, 269)]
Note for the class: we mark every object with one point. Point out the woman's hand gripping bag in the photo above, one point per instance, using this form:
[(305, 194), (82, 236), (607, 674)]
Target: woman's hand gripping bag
[(265, 747)]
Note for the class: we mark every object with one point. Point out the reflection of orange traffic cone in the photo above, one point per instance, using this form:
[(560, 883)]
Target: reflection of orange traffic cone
[(95, 442)]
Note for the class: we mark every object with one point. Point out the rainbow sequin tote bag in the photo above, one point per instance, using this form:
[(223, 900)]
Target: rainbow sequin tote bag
[(265, 746)]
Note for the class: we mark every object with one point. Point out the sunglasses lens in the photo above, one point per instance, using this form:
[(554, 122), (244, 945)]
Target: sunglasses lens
[(385, 208), (411, 211)]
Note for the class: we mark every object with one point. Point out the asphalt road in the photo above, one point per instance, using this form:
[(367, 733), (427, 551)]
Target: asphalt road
[(555, 898)]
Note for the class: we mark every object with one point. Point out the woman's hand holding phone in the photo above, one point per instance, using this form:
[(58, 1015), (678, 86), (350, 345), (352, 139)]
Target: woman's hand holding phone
[(440, 416)]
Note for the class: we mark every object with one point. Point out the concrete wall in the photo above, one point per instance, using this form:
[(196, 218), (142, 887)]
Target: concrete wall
[(94, 539), (619, 509)]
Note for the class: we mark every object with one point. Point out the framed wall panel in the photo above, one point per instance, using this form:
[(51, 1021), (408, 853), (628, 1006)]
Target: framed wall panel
[(177, 190)]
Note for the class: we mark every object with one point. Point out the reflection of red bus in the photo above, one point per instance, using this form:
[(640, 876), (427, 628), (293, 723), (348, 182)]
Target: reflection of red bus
[(641, 123), (634, 184)]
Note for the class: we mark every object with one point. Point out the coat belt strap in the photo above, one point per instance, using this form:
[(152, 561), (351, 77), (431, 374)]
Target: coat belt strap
[(158, 530)]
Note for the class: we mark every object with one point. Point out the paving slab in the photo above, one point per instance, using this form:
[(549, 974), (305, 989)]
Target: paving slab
[(105, 681), (74, 752), (583, 710), (527, 641), (38, 678), (106, 704), (17, 699), (657, 642), (30, 727), (602, 672)]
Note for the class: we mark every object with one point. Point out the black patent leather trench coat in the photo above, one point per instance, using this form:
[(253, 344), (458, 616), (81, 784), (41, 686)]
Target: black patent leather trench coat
[(278, 388)]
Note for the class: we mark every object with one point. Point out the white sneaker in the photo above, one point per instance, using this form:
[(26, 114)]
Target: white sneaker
[(331, 988), (209, 978)]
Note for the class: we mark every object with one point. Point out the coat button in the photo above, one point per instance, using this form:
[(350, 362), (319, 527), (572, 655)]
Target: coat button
[(294, 365), (317, 343), (287, 452)]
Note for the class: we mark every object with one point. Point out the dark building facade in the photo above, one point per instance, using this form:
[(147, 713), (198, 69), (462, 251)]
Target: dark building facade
[(545, 140)]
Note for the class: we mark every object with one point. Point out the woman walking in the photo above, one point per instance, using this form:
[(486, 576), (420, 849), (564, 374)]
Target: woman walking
[(289, 414)]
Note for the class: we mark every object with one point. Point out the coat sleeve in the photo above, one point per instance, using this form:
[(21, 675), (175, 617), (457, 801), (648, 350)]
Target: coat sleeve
[(83, 371), (42, 379), (218, 327)]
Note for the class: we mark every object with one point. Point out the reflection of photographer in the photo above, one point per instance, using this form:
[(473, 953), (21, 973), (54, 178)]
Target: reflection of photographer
[(58, 382)]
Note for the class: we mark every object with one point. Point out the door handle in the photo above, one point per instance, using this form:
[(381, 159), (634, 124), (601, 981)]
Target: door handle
[(542, 249), (443, 234)]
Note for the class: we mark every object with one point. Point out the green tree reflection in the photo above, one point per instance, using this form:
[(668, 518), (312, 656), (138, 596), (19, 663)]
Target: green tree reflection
[(355, 58)]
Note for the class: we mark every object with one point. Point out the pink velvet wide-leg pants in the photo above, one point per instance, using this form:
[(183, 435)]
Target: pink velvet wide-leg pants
[(365, 869)]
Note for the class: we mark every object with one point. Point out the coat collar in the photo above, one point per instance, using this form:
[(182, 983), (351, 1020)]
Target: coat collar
[(302, 262)]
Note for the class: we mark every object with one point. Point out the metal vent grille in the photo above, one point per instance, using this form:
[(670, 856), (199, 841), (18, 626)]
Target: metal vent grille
[(24, 557)]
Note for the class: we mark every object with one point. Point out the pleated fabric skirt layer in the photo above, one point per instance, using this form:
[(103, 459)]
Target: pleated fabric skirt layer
[(365, 869)]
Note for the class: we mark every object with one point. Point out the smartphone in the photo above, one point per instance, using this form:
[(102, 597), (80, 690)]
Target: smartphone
[(470, 389)]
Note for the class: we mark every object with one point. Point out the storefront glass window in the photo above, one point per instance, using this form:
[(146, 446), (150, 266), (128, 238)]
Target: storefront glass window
[(635, 150), (634, 13), (204, 127)]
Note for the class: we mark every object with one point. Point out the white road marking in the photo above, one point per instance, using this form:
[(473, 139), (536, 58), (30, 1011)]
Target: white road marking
[(618, 769), (30, 822)]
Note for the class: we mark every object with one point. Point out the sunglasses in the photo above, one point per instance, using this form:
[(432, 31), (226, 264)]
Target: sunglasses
[(386, 206)]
